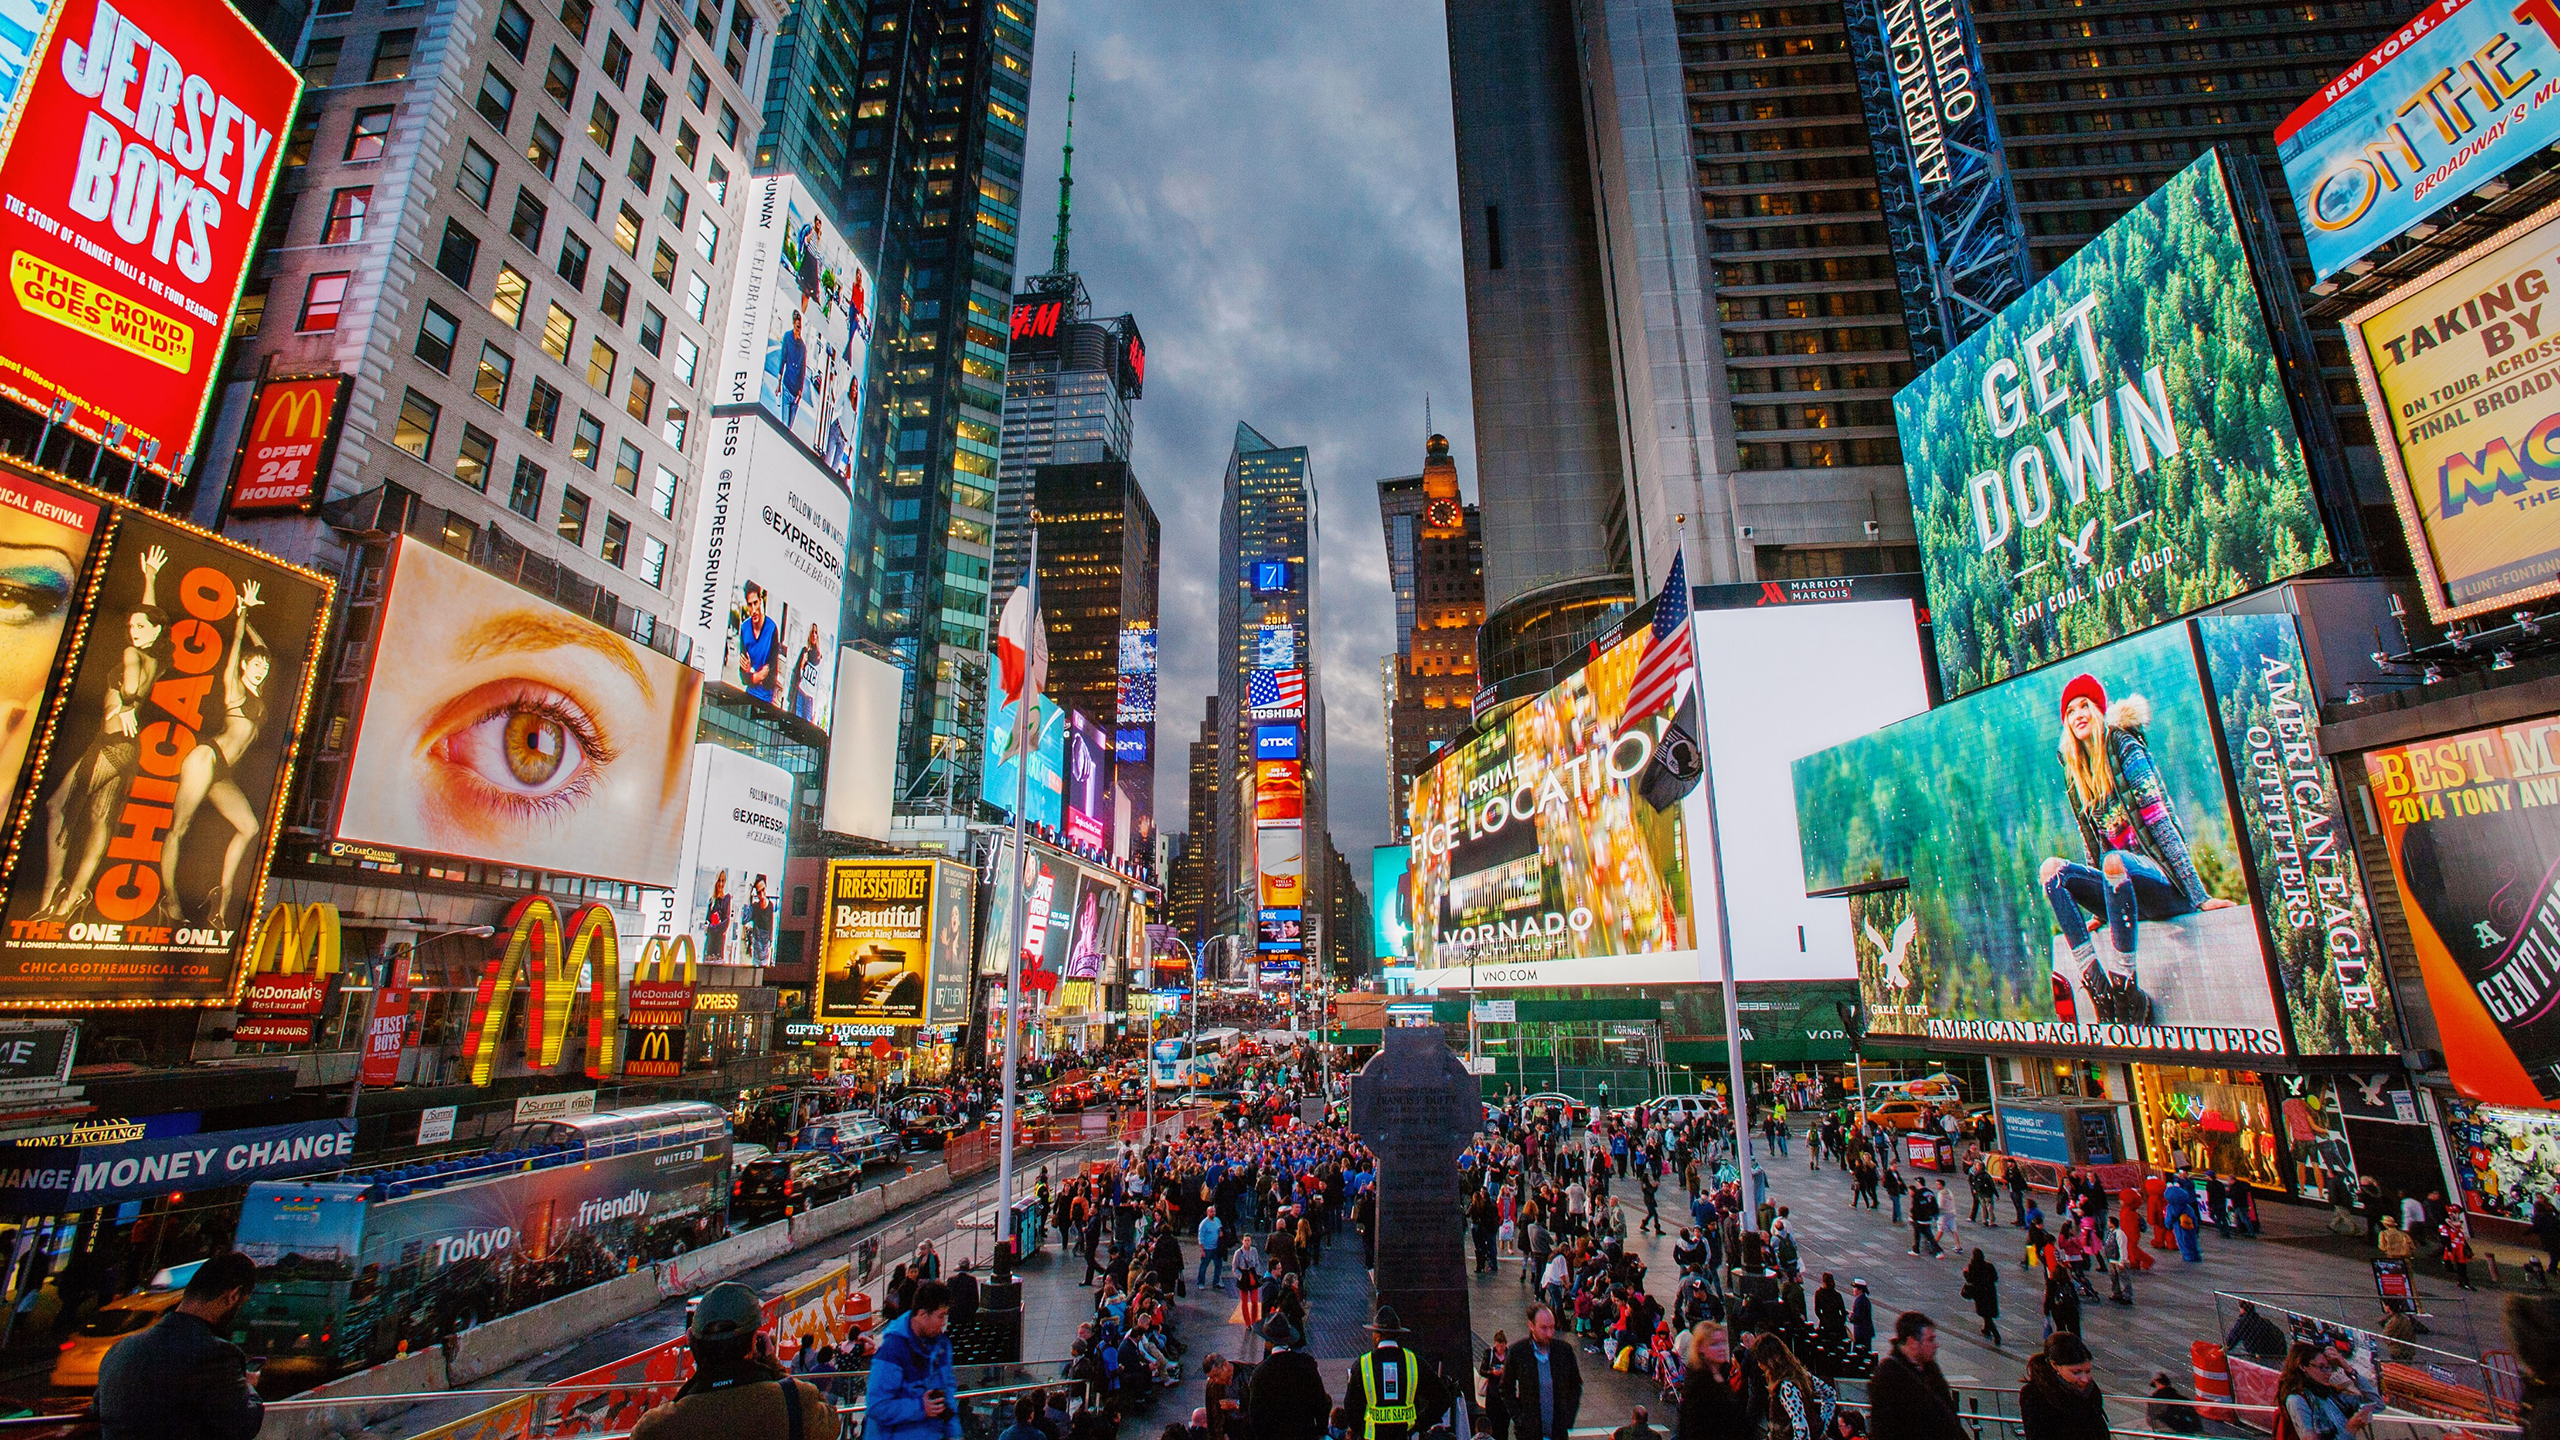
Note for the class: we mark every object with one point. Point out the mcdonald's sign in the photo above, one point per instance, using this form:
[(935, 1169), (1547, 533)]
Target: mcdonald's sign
[(547, 954), (292, 965), (657, 1052), (288, 444)]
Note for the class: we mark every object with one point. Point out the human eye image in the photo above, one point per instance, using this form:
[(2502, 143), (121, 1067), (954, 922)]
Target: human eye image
[(501, 727)]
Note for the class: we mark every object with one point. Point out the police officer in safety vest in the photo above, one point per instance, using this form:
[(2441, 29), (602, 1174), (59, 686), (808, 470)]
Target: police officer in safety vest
[(1390, 1395)]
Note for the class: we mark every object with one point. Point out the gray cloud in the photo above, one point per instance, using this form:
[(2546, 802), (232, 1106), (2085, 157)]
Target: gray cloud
[(1272, 191)]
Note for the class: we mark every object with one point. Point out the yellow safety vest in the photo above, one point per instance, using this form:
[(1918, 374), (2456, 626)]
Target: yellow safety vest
[(1379, 1410)]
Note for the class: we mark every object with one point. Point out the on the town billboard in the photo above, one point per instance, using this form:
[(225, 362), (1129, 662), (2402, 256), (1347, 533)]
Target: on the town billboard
[(2461, 362), (498, 726), (136, 154), (2117, 449), (2454, 97)]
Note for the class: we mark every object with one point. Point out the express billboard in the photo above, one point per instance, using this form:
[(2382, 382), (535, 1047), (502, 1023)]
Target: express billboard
[(498, 726), (2457, 95), (799, 331), (141, 847), (288, 444), (2472, 823), (728, 889), (133, 169), (1984, 841), (2459, 363), (764, 586), (1088, 782), (888, 926), (1047, 747), (2116, 449)]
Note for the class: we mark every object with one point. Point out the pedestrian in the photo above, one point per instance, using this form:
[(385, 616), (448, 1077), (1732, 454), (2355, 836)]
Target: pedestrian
[(179, 1379), (737, 1389), (1390, 1394), (2533, 1332), (2169, 1410), (1862, 1318), (1249, 1280), (1213, 1256), (1982, 1287), (1542, 1382), (1894, 1186), (2061, 1298), (2118, 1244), (2457, 1248), (2392, 1239), (2184, 1224), (1946, 1238), (910, 1395), (2061, 1399), (2320, 1398), (1799, 1406), (1719, 1400), (1285, 1399), (1638, 1427), (1908, 1398), (1924, 1218), (1830, 1312)]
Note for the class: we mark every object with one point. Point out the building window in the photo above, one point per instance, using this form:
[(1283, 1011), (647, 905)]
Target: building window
[(560, 79), (497, 102), (497, 370), (800, 894), (602, 124), (525, 496), (672, 430), (706, 237), (574, 251), (576, 14), (664, 47), (543, 149), (526, 225), (586, 442), (688, 358), (662, 268), (346, 215), (643, 169), (391, 55), (616, 302), (653, 562), (477, 456), (653, 105), (715, 178), (728, 126), (626, 232), (590, 191), (320, 62), (558, 328), (515, 28), (415, 430), (697, 297), (697, 88), (542, 409), (601, 361), (630, 11), (370, 133), (572, 524), (688, 141), (617, 540), (662, 495), (437, 330), (297, 146), (653, 328), (457, 253), (677, 206), (251, 314), (507, 300), (478, 175), (321, 301), (643, 397), (617, 60), (626, 468)]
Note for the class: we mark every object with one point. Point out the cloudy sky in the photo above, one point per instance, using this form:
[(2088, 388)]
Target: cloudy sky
[(1272, 191)]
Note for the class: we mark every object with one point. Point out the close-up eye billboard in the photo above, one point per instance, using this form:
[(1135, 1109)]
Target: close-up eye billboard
[(1047, 747), (45, 535), (2077, 872), (142, 843), (2116, 449), (133, 169), (497, 726), (765, 584), (799, 324), (2377, 149), (2461, 361)]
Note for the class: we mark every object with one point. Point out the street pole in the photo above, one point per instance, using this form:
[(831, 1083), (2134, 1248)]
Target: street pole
[(1022, 709)]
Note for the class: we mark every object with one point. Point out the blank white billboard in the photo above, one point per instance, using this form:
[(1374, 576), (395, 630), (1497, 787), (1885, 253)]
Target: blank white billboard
[(862, 749)]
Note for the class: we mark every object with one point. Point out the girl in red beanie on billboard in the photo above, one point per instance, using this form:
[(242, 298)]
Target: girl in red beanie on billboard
[(2138, 866)]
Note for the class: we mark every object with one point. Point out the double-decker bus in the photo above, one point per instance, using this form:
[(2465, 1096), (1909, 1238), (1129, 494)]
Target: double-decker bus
[(351, 1272)]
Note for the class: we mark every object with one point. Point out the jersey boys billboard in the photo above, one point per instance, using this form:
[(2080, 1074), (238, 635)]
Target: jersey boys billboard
[(2462, 363), (132, 175), (2115, 450)]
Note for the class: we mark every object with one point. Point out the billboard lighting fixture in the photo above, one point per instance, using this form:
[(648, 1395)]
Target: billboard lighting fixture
[(2380, 660), (2460, 639), (2526, 623), (2434, 675), (2491, 189), (2355, 694), (2505, 659)]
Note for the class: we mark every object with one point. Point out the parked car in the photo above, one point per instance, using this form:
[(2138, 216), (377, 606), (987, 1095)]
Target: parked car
[(780, 1186), (75, 1365), (1575, 1112), (861, 1140), (1682, 1107), (930, 1132)]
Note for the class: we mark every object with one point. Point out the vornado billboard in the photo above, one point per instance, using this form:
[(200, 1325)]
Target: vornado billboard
[(2465, 362), (2118, 448), (765, 584)]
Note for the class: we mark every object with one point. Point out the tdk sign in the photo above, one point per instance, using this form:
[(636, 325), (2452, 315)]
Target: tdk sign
[(1275, 742)]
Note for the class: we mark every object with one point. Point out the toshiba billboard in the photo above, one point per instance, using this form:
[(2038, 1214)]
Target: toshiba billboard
[(135, 158)]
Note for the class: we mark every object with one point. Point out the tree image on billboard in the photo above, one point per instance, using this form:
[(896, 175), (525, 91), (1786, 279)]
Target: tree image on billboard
[(2115, 450)]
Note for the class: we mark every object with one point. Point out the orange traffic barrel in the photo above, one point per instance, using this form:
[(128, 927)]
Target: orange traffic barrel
[(2213, 1380)]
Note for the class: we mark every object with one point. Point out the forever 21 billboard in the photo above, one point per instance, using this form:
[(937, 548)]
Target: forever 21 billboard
[(139, 847)]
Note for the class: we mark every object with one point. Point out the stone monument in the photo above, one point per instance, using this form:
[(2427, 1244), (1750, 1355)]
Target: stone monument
[(1417, 1108)]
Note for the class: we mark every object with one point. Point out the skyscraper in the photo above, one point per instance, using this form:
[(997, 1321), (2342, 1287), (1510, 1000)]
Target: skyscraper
[(1187, 897), (1271, 699), (1435, 562), (934, 176), (1099, 542)]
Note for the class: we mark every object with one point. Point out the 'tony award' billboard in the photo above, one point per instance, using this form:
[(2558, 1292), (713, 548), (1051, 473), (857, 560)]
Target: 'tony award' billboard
[(498, 726), (2116, 449)]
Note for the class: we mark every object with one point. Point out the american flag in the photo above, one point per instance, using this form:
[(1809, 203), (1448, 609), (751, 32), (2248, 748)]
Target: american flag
[(1276, 690), (1671, 655)]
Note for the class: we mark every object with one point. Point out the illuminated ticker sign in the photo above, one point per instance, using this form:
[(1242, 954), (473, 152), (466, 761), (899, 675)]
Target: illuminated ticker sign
[(1038, 320)]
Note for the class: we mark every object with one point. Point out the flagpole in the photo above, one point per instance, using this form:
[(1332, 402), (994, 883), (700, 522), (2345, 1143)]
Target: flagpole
[(1741, 1104), (1022, 709)]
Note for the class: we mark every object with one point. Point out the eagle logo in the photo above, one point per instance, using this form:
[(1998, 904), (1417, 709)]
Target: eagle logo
[(2079, 549), (1893, 953)]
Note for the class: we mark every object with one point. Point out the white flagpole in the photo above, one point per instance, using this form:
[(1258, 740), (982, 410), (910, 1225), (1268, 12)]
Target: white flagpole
[(1022, 732), (1742, 1160)]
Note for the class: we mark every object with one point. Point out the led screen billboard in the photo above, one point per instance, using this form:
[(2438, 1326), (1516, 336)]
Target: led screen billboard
[(2472, 823), (862, 745), (2115, 450), (2461, 361), (1276, 647), (1093, 926), (498, 726), (1279, 930), (881, 922), (134, 165), (1391, 902), (2456, 95), (728, 888), (288, 443), (764, 584), (2007, 813), (1088, 782), (1048, 749), (1135, 703), (1279, 791), (1280, 862), (151, 809), (1275, 742), (799, 331), (1271, 577)]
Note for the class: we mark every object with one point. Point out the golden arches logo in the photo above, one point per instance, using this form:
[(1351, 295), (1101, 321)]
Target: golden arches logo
[(301, 406), (549, 955), (297, 940), (673, 961)]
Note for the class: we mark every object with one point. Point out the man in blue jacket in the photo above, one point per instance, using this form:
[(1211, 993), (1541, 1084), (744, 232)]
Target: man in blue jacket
[(911, 1392)]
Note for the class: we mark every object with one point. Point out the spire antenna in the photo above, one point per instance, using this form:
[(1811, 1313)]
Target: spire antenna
[(1427, 431), (1066, 173)]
